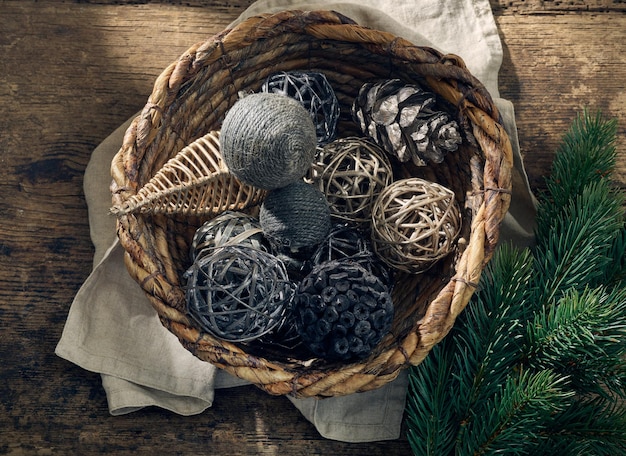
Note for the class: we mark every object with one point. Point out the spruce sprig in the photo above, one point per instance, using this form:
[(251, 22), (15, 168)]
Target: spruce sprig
[(588, 426), (537, 362), (523, 406), (581, 338), (574, 249), (586, 154), (433, 431)]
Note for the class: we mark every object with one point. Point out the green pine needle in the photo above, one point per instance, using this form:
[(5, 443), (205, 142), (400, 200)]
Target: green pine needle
[(517, 415), (536, 364), (595, 426), (575, 249), (583, 336), (586, 154), (432, 424), (490, 331), (475, 357), (616, 270)]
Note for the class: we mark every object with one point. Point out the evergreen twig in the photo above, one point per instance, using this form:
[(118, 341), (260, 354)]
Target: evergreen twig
[(536, 364)]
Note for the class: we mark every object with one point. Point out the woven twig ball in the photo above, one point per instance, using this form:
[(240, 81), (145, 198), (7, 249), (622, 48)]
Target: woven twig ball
[(238, 293), (268, 140), (342, 311), (344, 242), (228, 228), (414, 223), (295, 217), (316, 95), (353, 173)]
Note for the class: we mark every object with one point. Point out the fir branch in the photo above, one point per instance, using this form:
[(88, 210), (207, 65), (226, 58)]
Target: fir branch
[(583, 337), (489, 331), (615, 273), (432, 423), (517, 415), (474, 358), (586, 154), (535, 363), (595, 426), (574, 251)]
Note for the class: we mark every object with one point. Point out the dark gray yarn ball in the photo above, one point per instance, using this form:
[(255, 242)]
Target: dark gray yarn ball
[(268, 140), (294, 217)]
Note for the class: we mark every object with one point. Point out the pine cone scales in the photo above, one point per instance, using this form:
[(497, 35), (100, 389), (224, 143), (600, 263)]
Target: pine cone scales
[(403, 119), (342, 311)]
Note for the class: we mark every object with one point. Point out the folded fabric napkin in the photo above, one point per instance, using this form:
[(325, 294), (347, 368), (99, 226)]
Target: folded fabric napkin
[(112, 329)]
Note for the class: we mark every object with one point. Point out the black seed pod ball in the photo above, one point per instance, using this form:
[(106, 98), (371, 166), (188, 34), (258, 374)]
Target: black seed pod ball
[(238, 293), (268, 140), (295, 217), (342, 311)]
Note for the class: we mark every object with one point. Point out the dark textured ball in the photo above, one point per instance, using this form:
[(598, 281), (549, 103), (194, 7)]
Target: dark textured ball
[(268, 140), (344, 242), (228, 228), (295, 217), (314, 93), (342, 311), (238, 293)]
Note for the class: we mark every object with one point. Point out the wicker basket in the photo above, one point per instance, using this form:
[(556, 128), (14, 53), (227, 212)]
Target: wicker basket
[(191, 97)]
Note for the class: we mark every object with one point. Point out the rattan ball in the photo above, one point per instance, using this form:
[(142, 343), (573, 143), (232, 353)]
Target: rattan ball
[(414, 223), (344, 242), (295, 217), (354, 172), (316, 95), (238, 293), (268, 140), (228, 228)]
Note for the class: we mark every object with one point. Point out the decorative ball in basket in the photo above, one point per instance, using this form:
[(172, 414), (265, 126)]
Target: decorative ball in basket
[(192, 97), (351, 172)]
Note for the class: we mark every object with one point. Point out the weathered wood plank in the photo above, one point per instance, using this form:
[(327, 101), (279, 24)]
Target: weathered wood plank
[(509, 6), (556, 6), (553, 68)]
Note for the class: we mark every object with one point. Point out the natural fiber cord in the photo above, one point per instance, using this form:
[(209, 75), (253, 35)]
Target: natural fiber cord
[(268, 140), (191, 98)]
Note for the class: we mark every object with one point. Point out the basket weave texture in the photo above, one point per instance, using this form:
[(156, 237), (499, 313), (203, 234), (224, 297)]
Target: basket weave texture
[(190, 99)]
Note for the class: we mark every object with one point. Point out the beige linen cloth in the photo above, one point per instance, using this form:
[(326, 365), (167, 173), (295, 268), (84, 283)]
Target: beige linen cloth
[(112, 329)]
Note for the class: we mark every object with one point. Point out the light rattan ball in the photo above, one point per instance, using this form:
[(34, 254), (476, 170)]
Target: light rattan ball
[(414, 223), (353, 173)]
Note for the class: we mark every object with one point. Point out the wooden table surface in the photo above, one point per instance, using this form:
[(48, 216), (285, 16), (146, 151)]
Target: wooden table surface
[(71, 72)]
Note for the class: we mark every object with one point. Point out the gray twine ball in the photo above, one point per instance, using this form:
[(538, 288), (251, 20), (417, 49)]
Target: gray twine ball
[(268, 140), (295, 217)]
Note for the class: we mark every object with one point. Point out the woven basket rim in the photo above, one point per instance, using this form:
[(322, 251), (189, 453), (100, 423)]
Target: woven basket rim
[(457, 86)]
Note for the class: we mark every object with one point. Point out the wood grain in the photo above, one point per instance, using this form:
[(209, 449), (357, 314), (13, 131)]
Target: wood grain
[(70, 73), (553, 68)]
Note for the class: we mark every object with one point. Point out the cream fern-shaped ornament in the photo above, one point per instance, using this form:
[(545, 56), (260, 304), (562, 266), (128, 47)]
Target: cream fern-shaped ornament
[(195, 182)]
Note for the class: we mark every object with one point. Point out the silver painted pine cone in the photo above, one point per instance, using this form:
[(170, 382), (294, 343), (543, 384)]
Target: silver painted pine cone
[(404, 120)]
